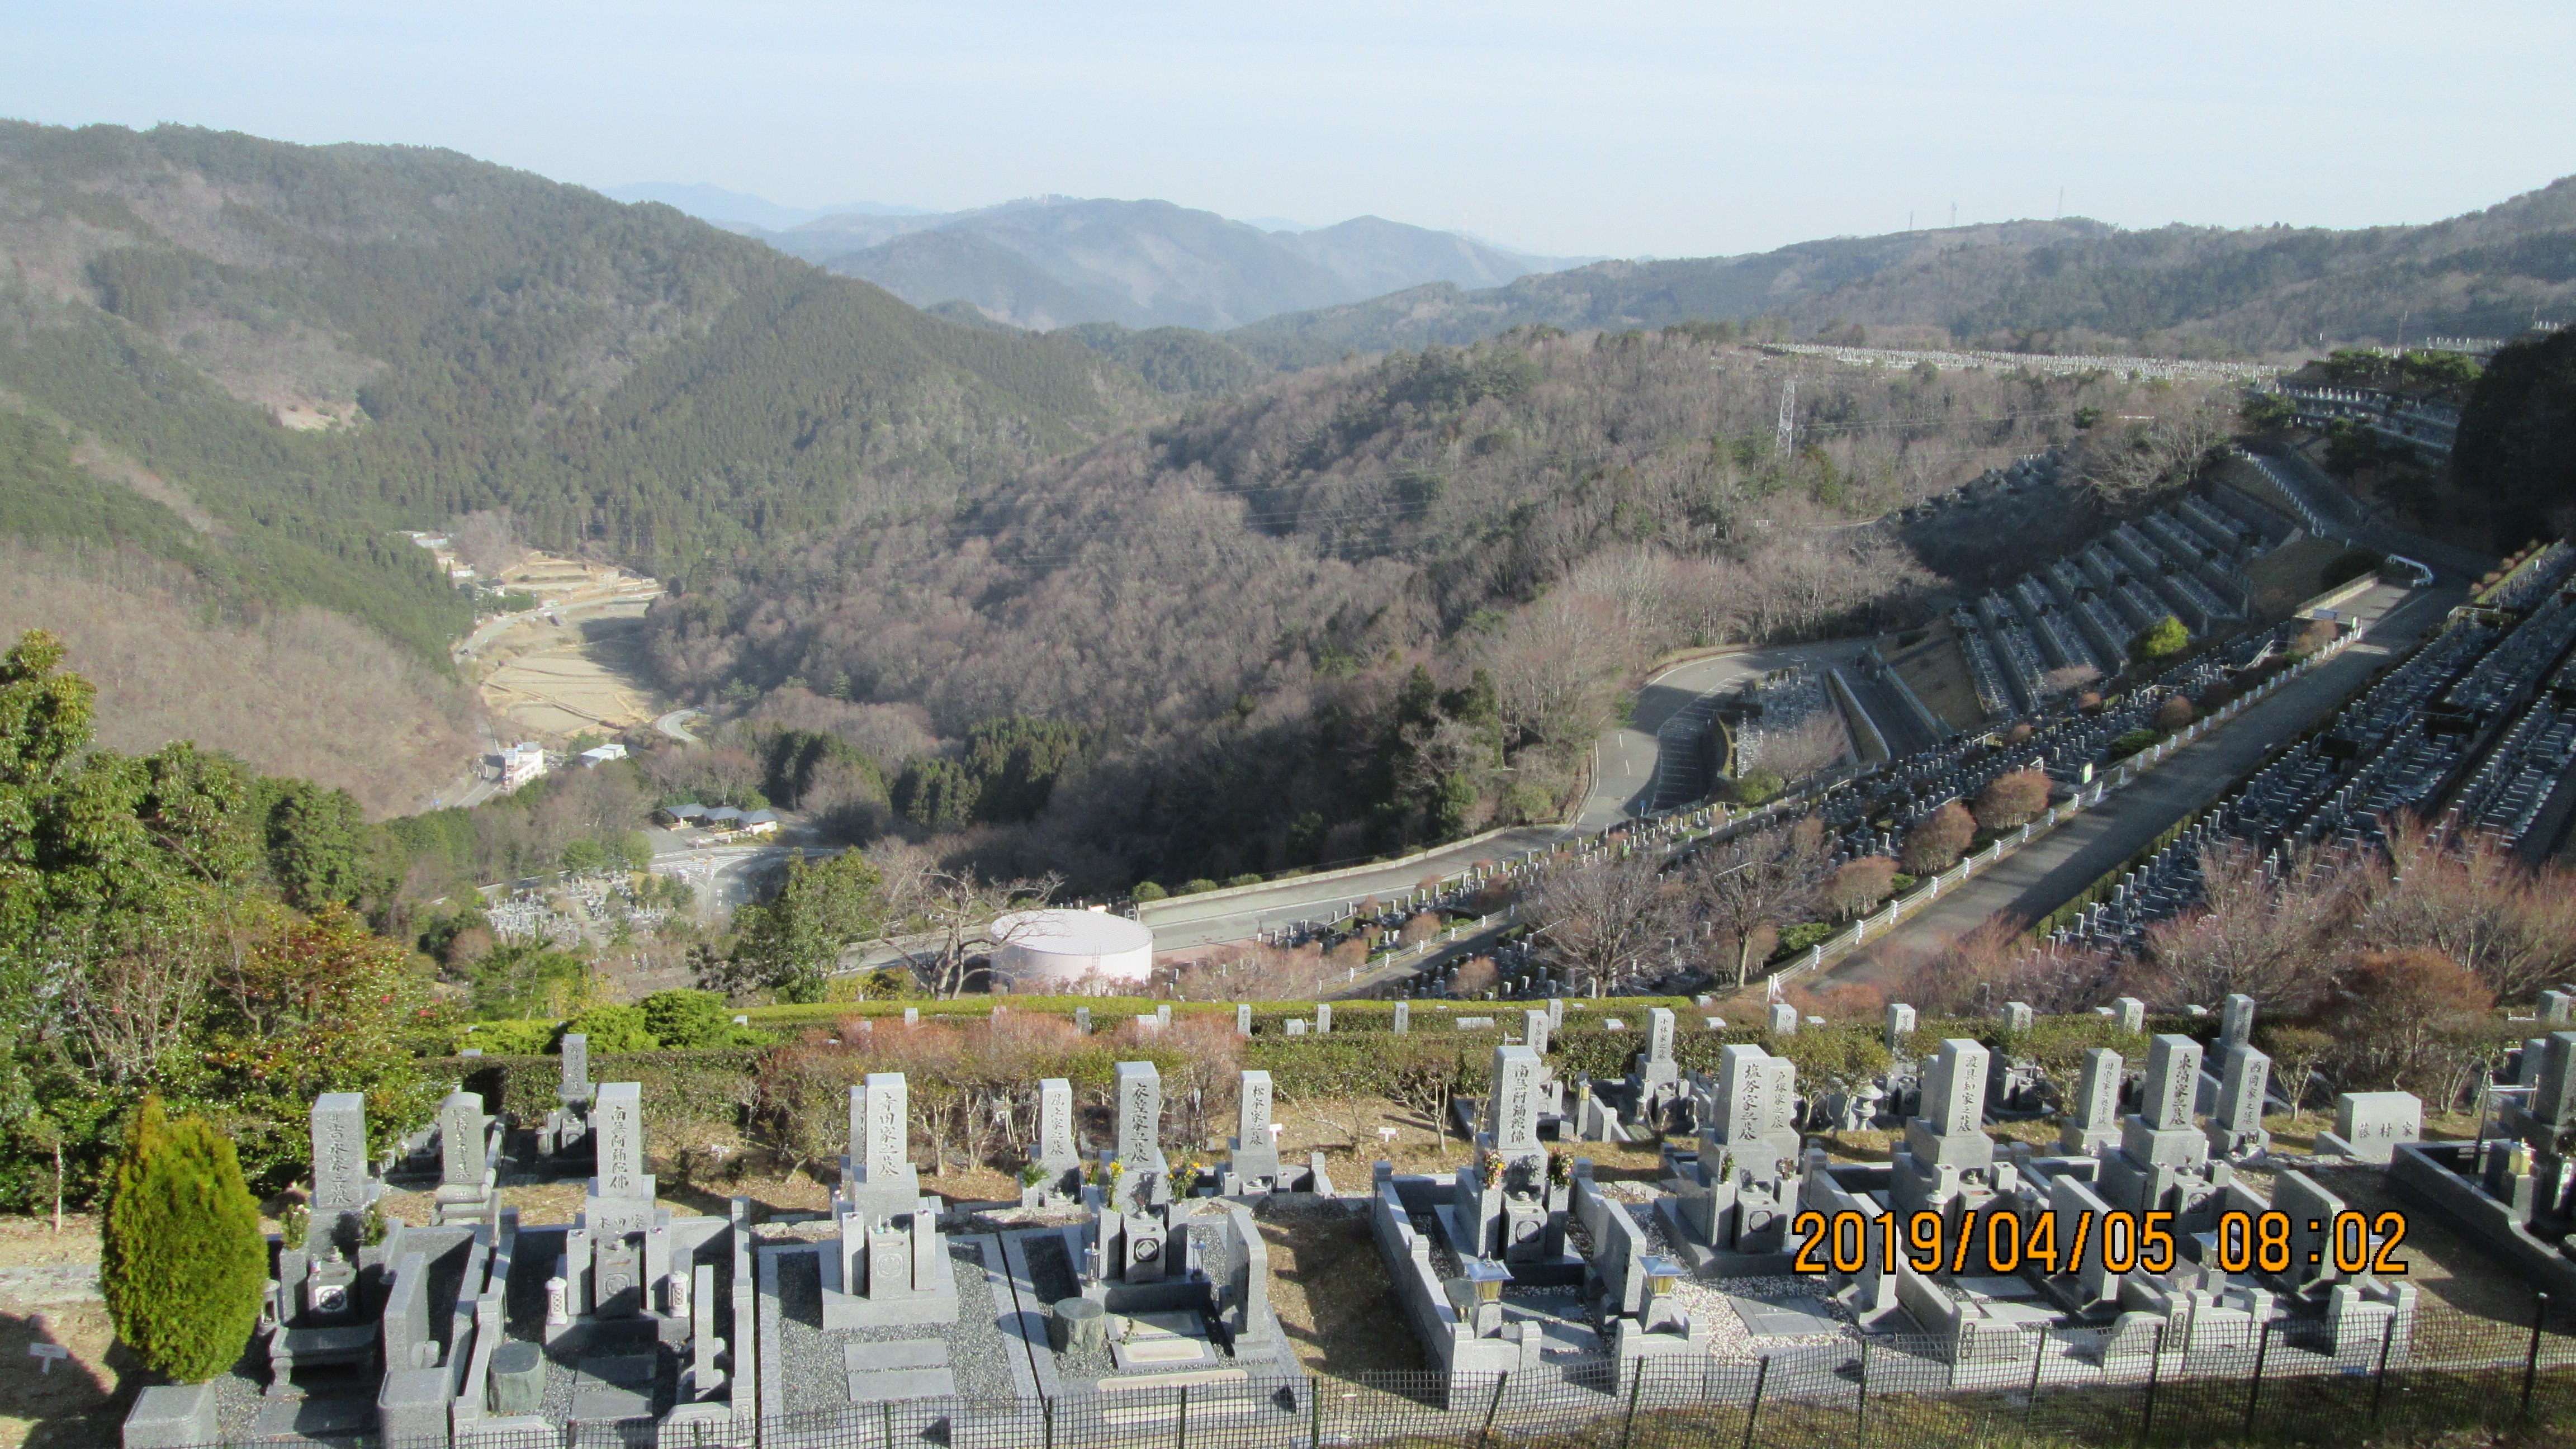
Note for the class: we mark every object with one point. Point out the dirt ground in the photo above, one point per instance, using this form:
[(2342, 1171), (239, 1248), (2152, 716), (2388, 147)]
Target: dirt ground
[(79, 1401), (2287, 577), (1938, 674), (558, 681)]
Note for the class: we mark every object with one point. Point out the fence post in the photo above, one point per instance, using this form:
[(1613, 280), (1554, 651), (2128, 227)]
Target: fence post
[(2531, 1358), (1860, 1408), (889, 1423), (1753, 1411), (1636, 1386), (2254, 1390), (1315, 1413), (2379, 1381), (2155, 1370), (1181, 1431), (2038, 1358), (1485, 1435)]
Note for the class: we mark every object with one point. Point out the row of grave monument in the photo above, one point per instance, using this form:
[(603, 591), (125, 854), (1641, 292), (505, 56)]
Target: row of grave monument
[(1733, 1205), (407, 1329)]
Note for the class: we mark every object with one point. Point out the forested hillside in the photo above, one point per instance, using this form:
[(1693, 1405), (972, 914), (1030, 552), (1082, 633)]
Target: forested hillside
[(1368, 605), (317, 344), (297, 690), (2067, 286), (255, 361)]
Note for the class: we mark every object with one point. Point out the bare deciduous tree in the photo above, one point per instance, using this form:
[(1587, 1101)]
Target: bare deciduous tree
[(1764, 878), (1601, 919)]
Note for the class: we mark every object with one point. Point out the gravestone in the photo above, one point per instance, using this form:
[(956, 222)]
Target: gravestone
[(878, 1176), (1739, 1193), (1139, 1099), (1658, 1076), (2162, 1162), (1323, 1017), (2095, 1121), (342, 1188), (1946, 1156), (1082, 1020), (2236, 1130), (1534, 1030), (2371, 1126), (1555, 1013), (2131, 1013), (324, 1270), (465, 1176), (618, 1218), (2017, 1016), (1900, 1025), (1782, 1019), (1512, 1105), (1403, 1020), (1296, 1026), (912, 1016), (2557, 1008), (1163, 1015), (575, 1086), (1243, 1020), (1253, 1165), (1519, 1214), (2236, 1021), (1057, 1156)]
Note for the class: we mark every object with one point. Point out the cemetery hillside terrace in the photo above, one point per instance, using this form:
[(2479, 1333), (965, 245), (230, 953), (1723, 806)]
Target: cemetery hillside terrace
[(1752, 879)]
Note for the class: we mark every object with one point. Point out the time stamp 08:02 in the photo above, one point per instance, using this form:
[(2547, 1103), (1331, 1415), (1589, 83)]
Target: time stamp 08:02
[(2000, 1242)]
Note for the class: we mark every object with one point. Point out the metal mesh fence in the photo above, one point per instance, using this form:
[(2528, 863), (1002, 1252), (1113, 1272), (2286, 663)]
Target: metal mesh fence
[(2286, 1383)]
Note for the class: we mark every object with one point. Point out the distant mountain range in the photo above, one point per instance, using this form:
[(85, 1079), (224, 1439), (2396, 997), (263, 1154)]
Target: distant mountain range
[(2056, 286), (714, 203), (1057, 261)]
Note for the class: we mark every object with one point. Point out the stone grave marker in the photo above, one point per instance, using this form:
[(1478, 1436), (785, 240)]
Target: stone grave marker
[(2371, 1126), (2095, 1122)]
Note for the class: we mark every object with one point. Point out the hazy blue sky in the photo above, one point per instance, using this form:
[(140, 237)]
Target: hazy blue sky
[(1611, 128)]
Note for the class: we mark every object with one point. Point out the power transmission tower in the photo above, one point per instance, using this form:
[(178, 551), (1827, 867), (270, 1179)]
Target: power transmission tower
[(1788, 431)]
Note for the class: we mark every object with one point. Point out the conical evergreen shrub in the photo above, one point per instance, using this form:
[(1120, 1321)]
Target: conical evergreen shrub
[(183, 1263)]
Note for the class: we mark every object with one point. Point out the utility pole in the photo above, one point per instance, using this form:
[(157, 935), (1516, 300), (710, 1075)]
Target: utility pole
[(1787, 432)]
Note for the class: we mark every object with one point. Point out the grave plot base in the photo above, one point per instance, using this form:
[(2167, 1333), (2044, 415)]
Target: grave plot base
[(851, 1310), (2434, 1175), (1705, 1261), (171, 1417)]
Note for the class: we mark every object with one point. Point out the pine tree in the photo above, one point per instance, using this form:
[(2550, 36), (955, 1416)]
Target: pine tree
[(183, 1262)]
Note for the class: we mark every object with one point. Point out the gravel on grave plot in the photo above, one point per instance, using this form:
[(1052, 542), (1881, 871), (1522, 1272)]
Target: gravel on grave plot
[(816, 1363), (1728, 1337)]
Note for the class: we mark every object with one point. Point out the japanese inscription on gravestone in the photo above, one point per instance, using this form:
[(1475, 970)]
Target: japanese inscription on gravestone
[(1514, 1108), (460, 1140), (1140, 1109), (888, 1108), (2173, 1081), (339, 1152)]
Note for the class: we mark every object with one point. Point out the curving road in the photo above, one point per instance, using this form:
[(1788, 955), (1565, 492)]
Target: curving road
[(1635, 773), (1638, 767)]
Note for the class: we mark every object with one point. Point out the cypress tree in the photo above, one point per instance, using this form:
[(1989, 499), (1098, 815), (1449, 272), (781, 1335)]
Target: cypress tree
[(183, 1261)]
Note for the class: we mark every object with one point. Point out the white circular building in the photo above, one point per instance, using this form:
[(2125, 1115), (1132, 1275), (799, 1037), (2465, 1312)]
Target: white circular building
[(1054, 952)]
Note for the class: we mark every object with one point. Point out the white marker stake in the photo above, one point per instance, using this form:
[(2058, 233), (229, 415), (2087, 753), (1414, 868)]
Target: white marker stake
[(46, 1353)]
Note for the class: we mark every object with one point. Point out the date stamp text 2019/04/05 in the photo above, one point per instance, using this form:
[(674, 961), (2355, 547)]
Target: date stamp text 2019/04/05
[(2002, 1242)]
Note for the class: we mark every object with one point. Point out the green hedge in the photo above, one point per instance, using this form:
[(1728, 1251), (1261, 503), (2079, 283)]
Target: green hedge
[(715, 1086)]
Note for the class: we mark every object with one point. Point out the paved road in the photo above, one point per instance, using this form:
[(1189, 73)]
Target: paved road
[(676, 724), (1199, 921), (1628, 764), (2049, 872)]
